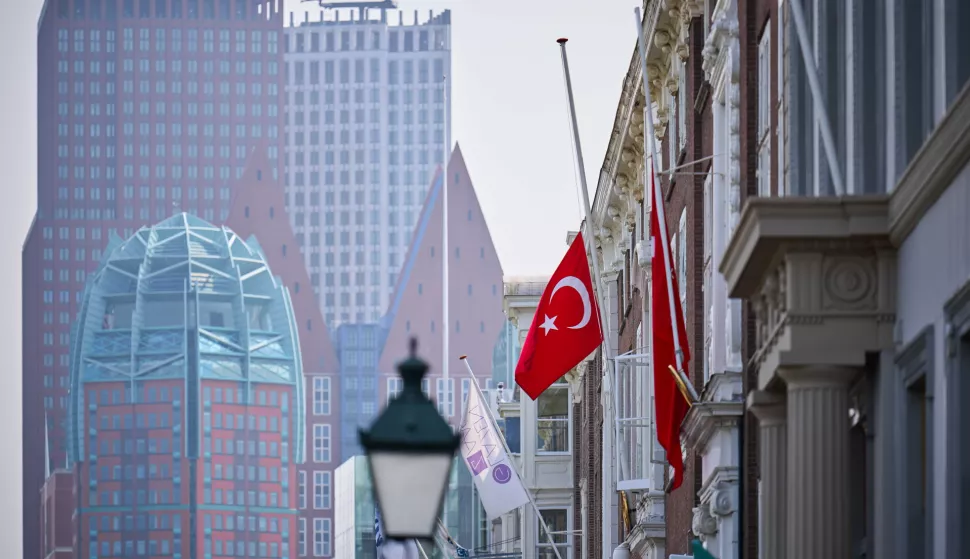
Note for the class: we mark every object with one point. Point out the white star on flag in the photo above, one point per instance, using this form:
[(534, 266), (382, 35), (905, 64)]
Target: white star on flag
[(549, 324)]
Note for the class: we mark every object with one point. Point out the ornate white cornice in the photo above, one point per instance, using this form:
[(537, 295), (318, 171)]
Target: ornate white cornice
[(620, 190), (720, 46)]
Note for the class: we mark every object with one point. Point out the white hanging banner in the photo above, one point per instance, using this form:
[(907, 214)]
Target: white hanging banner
[(498, 484)]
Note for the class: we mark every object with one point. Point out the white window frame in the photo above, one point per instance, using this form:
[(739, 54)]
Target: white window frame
[(682, 259), (426, 387), (764, 137), (682, 109), (301, 531), (321, 442), (466, 388), (673, 130), (637, 450), (394, 387), (321, 490), (301, 490), (321, 537), (445, 389), (542, 541), (321, 395), (710, 276), (564, 387)]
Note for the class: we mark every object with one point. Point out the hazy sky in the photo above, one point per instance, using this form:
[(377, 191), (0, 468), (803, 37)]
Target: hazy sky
[(509, 115)]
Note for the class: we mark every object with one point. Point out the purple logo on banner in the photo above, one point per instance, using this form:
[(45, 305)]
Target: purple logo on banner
[(477, 463), (502, 474)]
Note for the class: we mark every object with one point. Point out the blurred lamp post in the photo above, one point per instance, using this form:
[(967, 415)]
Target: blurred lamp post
[(410, 449)]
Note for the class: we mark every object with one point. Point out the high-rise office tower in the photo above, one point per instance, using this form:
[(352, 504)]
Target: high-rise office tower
[(145, 107), (186, 407), (257, 216), (367, 125)]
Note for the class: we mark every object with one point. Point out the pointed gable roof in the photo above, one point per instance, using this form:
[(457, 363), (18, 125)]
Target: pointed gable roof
[(259, 210), (475, 275)]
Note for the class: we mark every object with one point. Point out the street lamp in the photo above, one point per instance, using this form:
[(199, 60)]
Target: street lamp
[(410, 448)]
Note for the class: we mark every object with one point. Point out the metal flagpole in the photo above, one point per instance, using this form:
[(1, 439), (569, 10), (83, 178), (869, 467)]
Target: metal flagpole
[(822, 115), (591, 249), (505, 446), (590, 245), (656, 199)]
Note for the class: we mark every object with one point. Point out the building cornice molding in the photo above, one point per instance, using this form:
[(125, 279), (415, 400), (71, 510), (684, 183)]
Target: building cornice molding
[(705, 418), (720, 47), (620, 189), (944, 155), (820, 274), (768, 224)]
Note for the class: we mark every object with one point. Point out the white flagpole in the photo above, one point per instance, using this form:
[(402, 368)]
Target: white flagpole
[(445, 257), (821, 114), (588, 237), (591, 249), (656, 200), (505, 446)]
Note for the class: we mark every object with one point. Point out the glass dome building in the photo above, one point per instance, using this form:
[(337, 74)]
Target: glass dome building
[(186, 408)]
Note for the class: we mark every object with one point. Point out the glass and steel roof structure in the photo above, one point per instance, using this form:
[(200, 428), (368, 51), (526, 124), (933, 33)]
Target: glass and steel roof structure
[(184, 301)]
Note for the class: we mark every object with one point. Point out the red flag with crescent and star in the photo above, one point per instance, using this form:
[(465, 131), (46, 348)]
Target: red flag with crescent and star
[(566, 327)]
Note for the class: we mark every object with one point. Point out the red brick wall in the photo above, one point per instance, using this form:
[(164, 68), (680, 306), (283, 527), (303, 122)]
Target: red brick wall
[(754, 16), (588, 461)]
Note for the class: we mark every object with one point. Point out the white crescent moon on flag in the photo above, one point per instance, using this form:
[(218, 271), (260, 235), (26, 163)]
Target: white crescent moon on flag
[(573, 282)]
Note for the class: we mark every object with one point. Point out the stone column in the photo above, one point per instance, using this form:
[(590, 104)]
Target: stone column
[(818, 461), (769, 408)]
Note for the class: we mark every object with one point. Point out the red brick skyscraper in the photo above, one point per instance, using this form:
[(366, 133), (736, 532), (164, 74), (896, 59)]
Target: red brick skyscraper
[(145, 107)]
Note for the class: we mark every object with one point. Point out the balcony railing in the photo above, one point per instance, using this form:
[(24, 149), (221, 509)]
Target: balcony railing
[(527, 288)]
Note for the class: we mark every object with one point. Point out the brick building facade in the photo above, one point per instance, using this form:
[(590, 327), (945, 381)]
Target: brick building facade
[(693, 68)]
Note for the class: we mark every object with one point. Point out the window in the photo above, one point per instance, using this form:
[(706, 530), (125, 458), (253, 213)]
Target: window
[(638, 448), (446, 397), (321, 443), (321, 537), (394, 387), (764, 113), (557, 522), (915, 376), (957, 420), (710, 276), (914, 64), (301, 490), (301, 535), (512, 430), (466, 386), (681, 256), (321, 395), (321, 490), (956, 16), (552, 419)]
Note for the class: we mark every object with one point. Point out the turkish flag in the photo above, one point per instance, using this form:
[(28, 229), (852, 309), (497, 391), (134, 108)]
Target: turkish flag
[(670, 400), (566, 327)]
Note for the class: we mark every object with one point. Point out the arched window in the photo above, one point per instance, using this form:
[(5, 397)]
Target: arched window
[(284, 250), (271, 212), (246, 211)]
